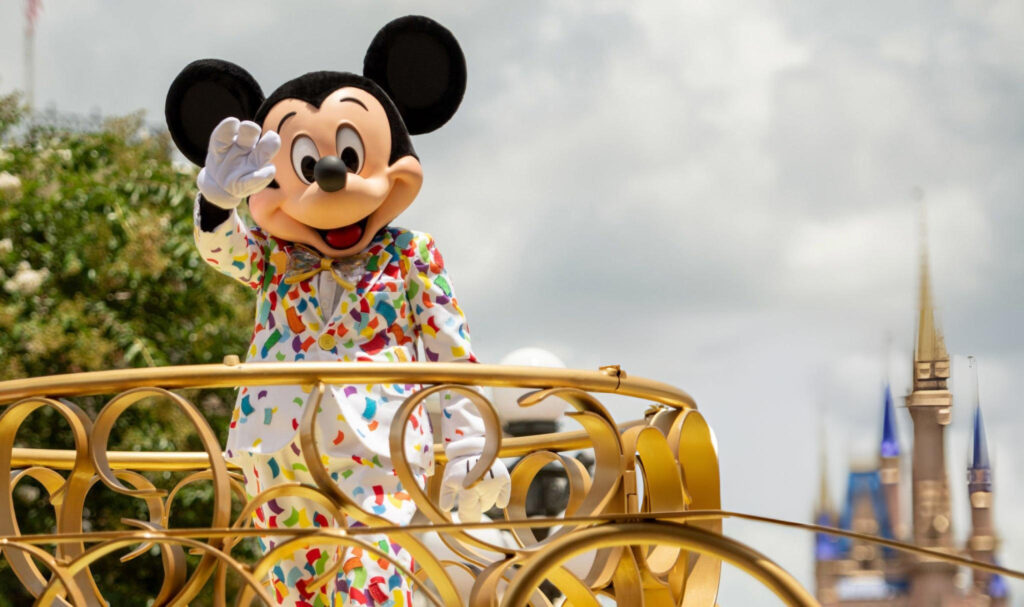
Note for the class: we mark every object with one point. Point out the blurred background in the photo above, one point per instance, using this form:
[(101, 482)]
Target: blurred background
[(725, 196)]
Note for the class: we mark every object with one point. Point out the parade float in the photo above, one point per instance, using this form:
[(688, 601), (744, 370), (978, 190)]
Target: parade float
[(371, 448)]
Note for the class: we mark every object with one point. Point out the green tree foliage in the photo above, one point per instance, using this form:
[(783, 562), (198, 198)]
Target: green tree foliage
[(98, 270)]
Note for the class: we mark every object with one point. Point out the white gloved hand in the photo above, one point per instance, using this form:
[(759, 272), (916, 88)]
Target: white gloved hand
[(494, 489), (237, 162)]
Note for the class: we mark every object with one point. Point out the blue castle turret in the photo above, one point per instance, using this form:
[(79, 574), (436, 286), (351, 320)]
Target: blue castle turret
[(889, 466), (980, 472), (890, 441), (982, 542)]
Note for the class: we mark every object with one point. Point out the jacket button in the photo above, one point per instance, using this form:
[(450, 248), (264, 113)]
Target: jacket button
[(326, 341)]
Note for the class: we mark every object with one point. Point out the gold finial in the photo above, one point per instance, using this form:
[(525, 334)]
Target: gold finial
[(824, 501), (931, 361)]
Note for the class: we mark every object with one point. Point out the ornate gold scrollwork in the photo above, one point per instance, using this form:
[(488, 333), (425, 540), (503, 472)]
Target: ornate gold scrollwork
[(311, 453), (696, 452), (648, 515), (658, 533), (103, 426), (68, 499)]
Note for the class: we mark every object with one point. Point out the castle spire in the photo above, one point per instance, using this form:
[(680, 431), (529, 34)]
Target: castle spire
[(980, 460), (982, 542), (827, 553), (824, 504), (931, 360), (930, 405), (890, 440), (826, 547), (889, 467)]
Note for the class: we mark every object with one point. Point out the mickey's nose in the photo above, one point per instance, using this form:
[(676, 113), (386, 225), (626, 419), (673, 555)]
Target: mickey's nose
[(330, 173)]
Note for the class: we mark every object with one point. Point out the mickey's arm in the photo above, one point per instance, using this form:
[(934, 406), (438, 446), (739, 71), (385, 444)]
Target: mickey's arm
[(227, 244), (446, 339), (237, 165)]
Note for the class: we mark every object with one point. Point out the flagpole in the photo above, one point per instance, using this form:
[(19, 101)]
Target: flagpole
[(30, 36)]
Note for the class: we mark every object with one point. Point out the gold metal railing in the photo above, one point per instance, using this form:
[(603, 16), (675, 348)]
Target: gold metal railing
[(649, 516), (670, 443)]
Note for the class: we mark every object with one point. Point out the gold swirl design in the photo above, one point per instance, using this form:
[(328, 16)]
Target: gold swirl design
[(643, 526), (103, 426), (68, 499), (657, 533)]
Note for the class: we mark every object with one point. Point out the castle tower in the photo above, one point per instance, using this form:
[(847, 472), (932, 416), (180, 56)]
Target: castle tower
[(889, 466), (930, 405), (826, 547), (982, 543)]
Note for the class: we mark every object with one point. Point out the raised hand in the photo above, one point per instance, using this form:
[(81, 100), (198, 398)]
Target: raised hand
[(237, 162)]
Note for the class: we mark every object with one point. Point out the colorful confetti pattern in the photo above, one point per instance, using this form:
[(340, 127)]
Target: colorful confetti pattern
[(403, 297), (364, 579)]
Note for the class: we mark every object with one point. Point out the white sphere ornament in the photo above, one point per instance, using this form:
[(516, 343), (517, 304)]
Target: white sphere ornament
[(505, 399)]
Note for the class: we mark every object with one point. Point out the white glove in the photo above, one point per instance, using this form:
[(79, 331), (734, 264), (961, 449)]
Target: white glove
[(494, 489), (237, 162)]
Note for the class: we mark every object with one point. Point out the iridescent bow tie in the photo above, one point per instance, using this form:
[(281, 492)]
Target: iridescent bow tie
[(304, 263)]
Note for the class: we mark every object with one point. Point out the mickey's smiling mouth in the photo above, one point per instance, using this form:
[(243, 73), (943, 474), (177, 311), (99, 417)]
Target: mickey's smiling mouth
[(345, 236)]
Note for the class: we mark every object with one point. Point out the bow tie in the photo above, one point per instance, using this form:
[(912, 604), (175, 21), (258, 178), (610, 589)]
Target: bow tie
[(304, 263)]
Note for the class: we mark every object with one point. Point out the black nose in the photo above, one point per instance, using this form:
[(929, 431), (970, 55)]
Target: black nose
[(330, 173)]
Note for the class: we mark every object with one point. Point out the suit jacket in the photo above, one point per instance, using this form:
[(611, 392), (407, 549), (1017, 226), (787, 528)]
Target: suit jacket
[(402, 295)]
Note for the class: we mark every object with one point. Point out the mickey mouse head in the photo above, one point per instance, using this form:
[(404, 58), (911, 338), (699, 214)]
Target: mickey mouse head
[(346, 165)]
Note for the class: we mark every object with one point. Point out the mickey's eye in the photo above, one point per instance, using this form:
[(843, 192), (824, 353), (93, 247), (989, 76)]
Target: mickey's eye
[(304, 157), (350, 148)]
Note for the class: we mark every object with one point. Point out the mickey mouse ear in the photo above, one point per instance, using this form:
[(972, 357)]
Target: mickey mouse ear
[(420, 66), (204, 93)]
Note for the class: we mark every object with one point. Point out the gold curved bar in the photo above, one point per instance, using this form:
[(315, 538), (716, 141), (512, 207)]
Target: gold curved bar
[(98, 551), (311, 453), (153, 503), (686, 537), (230, 376), (140, 461), (181, 461), (405, 473), (522, 478), (25, 568), (697, 454), (688, 516), (60, 573), (175, 535), (173, 559), (663, 489), (68, 499), (874, 539), (102, 428)]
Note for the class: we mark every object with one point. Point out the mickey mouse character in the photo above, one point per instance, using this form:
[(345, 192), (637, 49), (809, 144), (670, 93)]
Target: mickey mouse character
[(326, 163)]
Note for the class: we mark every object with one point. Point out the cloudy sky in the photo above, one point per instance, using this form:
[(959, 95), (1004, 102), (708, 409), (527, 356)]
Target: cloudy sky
[(719, 195)]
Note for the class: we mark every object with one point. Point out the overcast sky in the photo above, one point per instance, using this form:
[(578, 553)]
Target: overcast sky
[(719, 195)]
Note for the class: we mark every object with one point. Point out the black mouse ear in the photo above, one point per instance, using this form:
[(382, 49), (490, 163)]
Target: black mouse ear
[(421, 67), (204, 93)]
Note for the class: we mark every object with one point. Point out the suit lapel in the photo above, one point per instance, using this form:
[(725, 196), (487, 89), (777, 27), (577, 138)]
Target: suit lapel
[(376, 264)]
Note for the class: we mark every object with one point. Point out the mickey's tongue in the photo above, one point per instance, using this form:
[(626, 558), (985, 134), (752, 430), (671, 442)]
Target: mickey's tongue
[(343, 238)]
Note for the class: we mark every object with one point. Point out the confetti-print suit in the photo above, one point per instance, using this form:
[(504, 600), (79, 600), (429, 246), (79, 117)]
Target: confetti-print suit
[(401, 294)]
